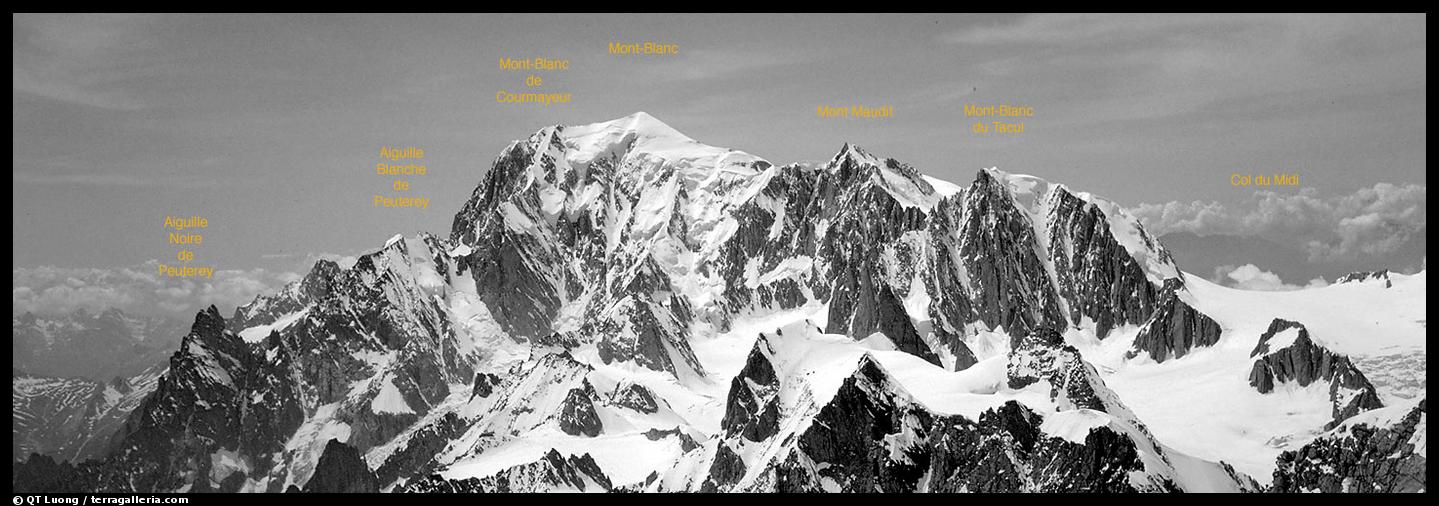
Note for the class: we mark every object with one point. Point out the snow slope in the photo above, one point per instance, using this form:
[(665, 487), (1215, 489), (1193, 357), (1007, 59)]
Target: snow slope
[(1203, 404)]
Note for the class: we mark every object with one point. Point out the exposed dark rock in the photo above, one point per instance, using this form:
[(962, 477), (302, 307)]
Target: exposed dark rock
[(342, 469), (1360, 457), (1032, 356), (860, 308), (1303, 361), (415, 455), (638, 329), (41, 474), (518, 275), (204, 404), (687, 443), (1363, 276), (963, 357), (949, 303), (858, 432), (577, 415), (1011, 286), (1175, 329), (484, 384), (73, 419), (221, 393), (862, 300), (1006, 452), (792, 188), (369, 429), (553, 471), (726, 470), (233, 483), (750, 408), (318, 284), (1074, 382), (635, 396), (871, 437), (1099, 278)]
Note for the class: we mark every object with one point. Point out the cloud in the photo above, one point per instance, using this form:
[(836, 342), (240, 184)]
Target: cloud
[(111, 178), (1066, 29), (137, 289), (84, 59), (707, 64), (1370, 221), (1151, 66), (1251, 277), (1379, 219)]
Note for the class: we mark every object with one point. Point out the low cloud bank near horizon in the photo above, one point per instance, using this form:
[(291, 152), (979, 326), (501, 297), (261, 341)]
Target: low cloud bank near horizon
[(137, 290), (1251, 277), (1371, 221)]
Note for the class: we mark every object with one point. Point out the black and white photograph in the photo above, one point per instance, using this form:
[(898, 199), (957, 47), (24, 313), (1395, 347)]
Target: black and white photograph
[(720, 253)]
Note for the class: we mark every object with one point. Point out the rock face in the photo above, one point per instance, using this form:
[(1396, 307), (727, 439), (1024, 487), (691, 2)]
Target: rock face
[(869, 421), (871, 435), (1042, 356), (857, 195), (593, 262), (1011, 286), (369, 341), (1175, 328), (1379, 451), (1006, 451), (687, 443), (1096, 276), (751, 409), (636, 397), (590, 218), (774, 234), (637, 329), (415, 454), (342, 470), (726, 470), (1033, 356), (1286, 353), (219, 394), (484, 385), (519, 275), (72, 419), (1381, 276), (577, 416), (317, 285), (872, 438), (553, 472), (865, 310), (200, 406)]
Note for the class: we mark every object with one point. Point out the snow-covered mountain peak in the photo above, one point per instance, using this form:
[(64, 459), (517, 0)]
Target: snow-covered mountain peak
[(641, 123), (855, 154), (1019, 184), (1040, 199), (901, 181), (641, 137), (677, 316), (1379, 277)]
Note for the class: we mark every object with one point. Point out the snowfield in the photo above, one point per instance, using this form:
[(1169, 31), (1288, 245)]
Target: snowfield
[(1203, 404), (609, 318)]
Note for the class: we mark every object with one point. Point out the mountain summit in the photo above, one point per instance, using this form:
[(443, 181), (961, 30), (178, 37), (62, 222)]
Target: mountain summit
[(620, 307)]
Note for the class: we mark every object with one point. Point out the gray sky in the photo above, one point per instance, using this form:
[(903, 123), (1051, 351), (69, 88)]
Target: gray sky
[(270, 125)]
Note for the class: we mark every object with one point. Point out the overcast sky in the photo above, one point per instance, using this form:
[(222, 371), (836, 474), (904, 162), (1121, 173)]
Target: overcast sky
[(270, 125)]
